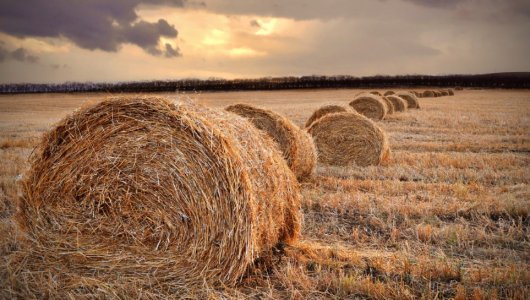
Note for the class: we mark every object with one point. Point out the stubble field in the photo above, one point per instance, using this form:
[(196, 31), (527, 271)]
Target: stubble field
[(448, 216)]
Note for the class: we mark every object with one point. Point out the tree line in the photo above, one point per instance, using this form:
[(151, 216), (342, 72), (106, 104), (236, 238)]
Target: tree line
[(514, 80)]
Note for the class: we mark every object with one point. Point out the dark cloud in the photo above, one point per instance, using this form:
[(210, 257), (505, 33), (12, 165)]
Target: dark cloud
[(91, 24), (19, 54), (172, 52)]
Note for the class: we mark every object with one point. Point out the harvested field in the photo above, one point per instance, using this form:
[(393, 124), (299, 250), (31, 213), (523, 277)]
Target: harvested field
[(447, 216)]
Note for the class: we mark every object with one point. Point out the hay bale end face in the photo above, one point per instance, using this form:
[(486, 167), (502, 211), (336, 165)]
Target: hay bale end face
[(398, 103), (155, 192), (347, 138), (411, 99), (295, 144), (324, 110), (389, 106), (370, 106)]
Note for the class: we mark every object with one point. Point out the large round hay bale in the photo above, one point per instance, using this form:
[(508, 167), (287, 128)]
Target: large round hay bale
[(451, 92), (388, 93), (398, 103), (349, 138), (428, 94), (370, 106), (411, 99), (438, 94), (389, 106), (324, 110), (375, 93), (444, 93), (140, 195), (296, 145)]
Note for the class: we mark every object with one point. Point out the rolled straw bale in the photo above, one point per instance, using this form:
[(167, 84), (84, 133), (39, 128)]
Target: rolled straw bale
[(295, 144), (428, 94), (388, 93), (444, 93), (459, 88), (451, 92), (438, 94), (139, 196), (370, 106), (398, 103), (375, 93), (324, 110), (349, 138), (389, 106), (411, 99)]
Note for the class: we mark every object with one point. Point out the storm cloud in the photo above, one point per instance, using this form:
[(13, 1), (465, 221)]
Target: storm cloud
[(90, 24)]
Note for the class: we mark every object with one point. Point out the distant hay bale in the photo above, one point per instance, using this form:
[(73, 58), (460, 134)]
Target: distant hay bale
[(324, 110), (141, 194), (411, 99), (444, 93), (389, 105), (388, 93), (370, 106), (348, 138), (459, 88), (375, 93), (438, 94), (451, 92), (296, 145), (398, 103), (428, 94)]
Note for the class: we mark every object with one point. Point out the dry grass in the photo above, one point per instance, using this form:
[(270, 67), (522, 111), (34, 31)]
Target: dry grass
[(370, 105), (347, 138), (139, 186), (322, 111), (410, 98), (447, 217), (398, 103), (296, 145), (389, 105)]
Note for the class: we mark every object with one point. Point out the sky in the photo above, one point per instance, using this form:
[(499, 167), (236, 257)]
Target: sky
[(53, 41)]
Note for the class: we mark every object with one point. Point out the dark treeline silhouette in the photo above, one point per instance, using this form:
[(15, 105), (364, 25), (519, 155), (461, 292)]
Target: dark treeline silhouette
[(514, 80)]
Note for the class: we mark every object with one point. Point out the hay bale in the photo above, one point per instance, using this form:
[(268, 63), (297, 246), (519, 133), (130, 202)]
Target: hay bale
[(388, 93), (134, 196), (451, 92), (398, 103), (370, 106), (389, 106), (412, 101), (375, 93), (428, 94), (438, 94), (324, 110), (444, 93), (295, 144), (349, 138), (459, 88)]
